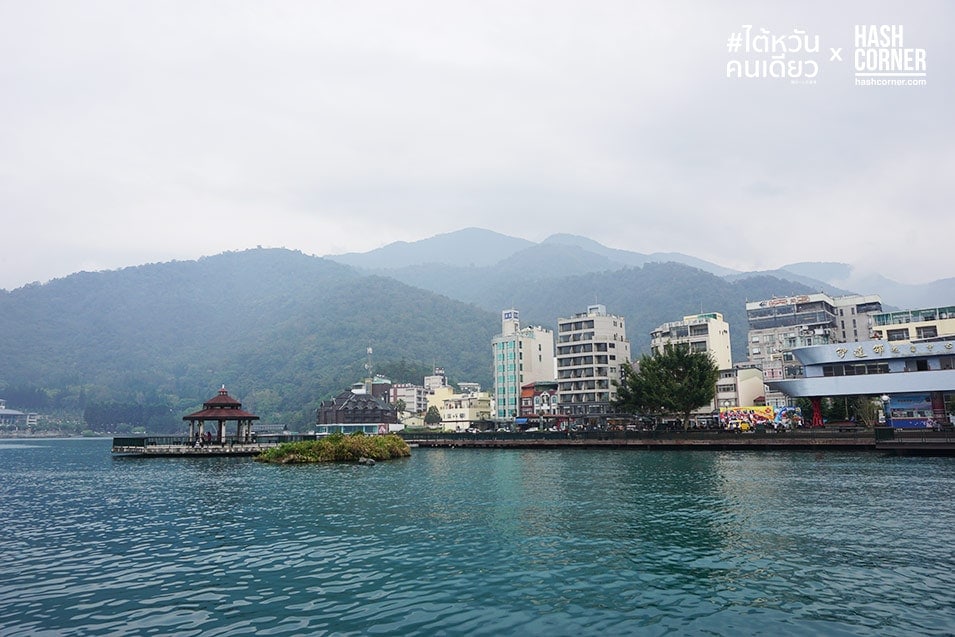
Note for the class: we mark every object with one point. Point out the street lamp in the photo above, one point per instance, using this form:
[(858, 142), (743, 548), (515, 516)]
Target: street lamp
[(886, 411)]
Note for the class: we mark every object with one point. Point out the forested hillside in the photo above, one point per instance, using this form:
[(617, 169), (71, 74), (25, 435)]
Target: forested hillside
[(283, 330), (280, 329)]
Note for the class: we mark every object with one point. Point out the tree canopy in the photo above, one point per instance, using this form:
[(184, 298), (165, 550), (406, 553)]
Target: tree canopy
[(433, 417), (670, 381)]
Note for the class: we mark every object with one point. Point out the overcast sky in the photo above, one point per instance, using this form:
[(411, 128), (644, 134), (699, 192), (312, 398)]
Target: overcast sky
[(138, 132)]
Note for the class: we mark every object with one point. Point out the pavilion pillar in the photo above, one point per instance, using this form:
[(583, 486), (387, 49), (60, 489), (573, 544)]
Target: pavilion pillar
[(816, 411)]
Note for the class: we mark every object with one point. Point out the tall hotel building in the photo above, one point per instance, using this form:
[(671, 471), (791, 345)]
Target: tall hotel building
[(701, 332), (521, 355), (591, 349), (779, 325)]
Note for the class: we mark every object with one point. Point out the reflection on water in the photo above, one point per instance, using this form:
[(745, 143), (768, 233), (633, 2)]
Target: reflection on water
[(556, 542)]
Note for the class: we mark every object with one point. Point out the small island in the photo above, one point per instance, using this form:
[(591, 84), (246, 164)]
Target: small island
[(356, 447)]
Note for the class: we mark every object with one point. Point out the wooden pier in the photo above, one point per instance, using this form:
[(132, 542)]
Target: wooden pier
[(183, 446)]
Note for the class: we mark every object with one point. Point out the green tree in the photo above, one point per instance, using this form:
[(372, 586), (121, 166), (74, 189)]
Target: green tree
[(867, 411), (433, 417), (674, 380)]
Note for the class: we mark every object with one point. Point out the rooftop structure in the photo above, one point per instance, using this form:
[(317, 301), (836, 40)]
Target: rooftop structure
[(914, 325), (221, 409)]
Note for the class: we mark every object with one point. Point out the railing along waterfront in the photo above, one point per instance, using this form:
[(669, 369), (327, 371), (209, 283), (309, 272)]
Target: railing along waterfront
[(933, 441), (185, 441), (694, 437)]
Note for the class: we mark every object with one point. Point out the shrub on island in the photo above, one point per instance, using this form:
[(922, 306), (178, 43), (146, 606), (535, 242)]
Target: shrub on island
[(338, 448)]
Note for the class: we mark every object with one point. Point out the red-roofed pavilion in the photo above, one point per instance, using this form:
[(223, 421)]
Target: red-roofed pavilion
[(221, 409)]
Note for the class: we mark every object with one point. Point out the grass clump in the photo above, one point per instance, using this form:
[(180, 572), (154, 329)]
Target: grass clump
[(338, 448)]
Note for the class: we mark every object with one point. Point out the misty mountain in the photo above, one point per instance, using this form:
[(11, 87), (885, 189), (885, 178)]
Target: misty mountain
[(280, 329), (628, 258), (283, 330), (468, 247), (894, 294), (470, 264), (815, 285), (479, 248)]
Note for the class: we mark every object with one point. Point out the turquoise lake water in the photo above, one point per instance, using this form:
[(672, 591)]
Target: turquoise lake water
[(476, 542)]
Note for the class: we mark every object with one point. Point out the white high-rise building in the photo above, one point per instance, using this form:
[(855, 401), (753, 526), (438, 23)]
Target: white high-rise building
[(521, 355), (702, 332), (591, 349)]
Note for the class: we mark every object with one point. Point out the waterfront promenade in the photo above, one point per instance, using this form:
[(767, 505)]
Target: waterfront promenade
[(694, 439), (896, 441)]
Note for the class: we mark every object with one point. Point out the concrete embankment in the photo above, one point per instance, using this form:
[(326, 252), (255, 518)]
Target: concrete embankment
[(718, 440)]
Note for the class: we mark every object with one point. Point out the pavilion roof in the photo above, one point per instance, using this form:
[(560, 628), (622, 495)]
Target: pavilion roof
[(221, 407)]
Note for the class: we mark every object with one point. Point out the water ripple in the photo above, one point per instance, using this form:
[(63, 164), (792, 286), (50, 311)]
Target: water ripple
[(457, 542)]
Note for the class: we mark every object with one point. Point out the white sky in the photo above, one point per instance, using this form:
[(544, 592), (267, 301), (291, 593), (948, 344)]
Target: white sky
[(137, 132)]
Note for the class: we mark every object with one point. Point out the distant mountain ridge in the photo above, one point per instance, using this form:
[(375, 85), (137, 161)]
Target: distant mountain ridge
[(470, 246), (488, 260), (477, 247), (283, 329)]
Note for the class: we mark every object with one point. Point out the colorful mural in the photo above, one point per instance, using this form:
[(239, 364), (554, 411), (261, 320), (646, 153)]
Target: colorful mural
[(911, 411), (745, 418), (788, 417)]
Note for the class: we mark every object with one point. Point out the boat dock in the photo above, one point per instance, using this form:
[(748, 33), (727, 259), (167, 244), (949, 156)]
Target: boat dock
[(180, 446)]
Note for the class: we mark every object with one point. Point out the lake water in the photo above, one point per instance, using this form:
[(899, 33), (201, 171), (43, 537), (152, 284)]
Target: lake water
[(476, 542)]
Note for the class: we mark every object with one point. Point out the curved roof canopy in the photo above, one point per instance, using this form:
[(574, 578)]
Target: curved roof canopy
[(221, 407)]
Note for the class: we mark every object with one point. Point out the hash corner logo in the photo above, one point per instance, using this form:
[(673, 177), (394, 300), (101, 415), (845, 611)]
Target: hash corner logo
[(880, 56)]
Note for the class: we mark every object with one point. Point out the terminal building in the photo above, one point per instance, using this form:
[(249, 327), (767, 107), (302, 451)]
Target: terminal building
[(914, 381)]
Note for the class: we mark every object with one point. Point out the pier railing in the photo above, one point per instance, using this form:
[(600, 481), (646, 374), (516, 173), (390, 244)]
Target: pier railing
[(691, 434), (185, 441)]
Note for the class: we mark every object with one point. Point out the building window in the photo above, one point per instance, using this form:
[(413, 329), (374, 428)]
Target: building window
[(897, 335), (928, 331)]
